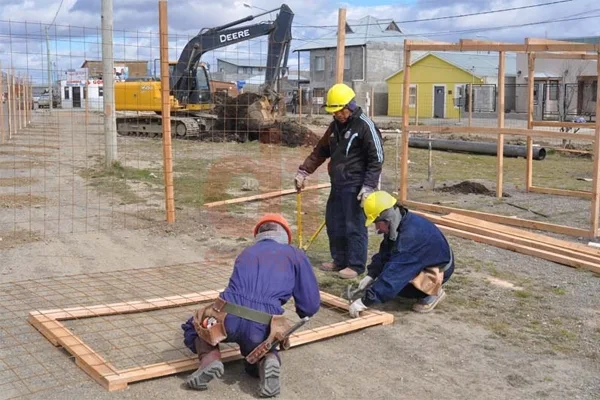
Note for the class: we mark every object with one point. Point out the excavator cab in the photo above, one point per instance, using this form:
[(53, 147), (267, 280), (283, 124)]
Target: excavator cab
[(201, 94)]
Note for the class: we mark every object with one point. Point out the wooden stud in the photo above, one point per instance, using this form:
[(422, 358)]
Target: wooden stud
[(595, 203), (48, 323), (561, 192), (403, 189), (530, 90), (564, 124), (478, 130), (1, 105), (502, 219), (341, 43), (470, 103), (265, 196), (23, 102), (166, 112), (500, 139), (537, 45), (9, 96)]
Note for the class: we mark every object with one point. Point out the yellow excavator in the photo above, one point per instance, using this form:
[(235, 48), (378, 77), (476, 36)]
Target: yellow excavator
[(191, 96)]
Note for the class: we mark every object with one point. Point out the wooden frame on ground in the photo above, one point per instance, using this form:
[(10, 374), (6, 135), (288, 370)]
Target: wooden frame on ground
[(541, 48), (48, 323)]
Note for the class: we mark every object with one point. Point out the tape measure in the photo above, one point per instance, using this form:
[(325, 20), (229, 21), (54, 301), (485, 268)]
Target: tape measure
[(209, 322)]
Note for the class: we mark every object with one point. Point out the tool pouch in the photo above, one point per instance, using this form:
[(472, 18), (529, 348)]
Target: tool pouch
[(279, 325), (429, 281), (216, 333)]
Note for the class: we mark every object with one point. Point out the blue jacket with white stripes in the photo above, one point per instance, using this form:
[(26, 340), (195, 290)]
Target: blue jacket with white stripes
[(355, 149)]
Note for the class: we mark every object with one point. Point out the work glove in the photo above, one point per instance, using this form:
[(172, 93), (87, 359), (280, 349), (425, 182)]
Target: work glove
[(365, 282), (356, 308), (299, 179), (364, 192)]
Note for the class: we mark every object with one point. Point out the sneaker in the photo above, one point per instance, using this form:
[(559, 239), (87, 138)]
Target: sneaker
[(428, 303), (348, 273), (330, 267), (199, 380)]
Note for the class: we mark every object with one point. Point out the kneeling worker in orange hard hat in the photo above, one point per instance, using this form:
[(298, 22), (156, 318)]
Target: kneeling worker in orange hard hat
[(249, 311), (414, 258), (354, 146)]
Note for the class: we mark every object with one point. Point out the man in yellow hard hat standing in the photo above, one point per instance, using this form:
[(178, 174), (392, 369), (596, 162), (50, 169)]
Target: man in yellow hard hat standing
[(354, 146), (414, 258)]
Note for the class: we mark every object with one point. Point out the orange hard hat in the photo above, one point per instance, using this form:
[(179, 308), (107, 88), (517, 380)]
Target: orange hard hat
[(278, 219)]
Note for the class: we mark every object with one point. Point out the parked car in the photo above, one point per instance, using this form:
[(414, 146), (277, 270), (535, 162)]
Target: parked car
[(44, 101)]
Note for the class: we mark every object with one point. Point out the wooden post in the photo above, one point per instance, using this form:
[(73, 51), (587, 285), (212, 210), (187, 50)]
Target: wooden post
[(341, 42), (299, 105), (23, 102), (417, 105), (500, 111), (1, 105), (87, 98), (9, 100), (403, 189), (470, 103), (596, 174), (372, 108), (166, 111), (530, 88)]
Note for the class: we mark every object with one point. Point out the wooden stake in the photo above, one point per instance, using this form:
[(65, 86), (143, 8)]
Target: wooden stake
[(24, 102), (596, 174), (500, 140), (300, 105), (87, 98), (11, 127), (470, 103), (1, 106), (166, 111), (403, 189), (530, 88), (341, 43)]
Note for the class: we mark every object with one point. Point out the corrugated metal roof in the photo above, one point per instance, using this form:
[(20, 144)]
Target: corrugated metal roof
[(480, 65), (260, 79), (366, 29), (244, 62)]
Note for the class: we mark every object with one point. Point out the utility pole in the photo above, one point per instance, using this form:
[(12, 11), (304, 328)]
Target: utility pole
[(51, 97), (110, 123)]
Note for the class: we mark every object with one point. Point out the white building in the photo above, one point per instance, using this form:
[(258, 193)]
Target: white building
[(76, 94)]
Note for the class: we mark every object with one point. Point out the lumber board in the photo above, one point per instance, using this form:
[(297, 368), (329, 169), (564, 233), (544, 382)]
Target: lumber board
[(561, 192), (47, 322), (566, 124), (527, 250), (501, 219), (577, 247), (264, 196), (571, 258)]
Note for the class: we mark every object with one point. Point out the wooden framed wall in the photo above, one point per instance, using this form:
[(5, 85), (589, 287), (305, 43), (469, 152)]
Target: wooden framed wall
[(534, 48), (48, 323)]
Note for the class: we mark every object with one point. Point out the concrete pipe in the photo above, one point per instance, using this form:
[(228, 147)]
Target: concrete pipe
[(462, 146)]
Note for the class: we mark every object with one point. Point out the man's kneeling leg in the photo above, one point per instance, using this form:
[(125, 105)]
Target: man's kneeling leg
[(269, 370), (210, 365)]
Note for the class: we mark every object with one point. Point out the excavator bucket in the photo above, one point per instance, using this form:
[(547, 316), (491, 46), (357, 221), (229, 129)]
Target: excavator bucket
[(260, 114)]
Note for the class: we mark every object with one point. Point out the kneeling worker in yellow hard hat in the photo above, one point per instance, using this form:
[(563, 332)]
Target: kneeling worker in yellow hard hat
[(354, 145), (414, 258)]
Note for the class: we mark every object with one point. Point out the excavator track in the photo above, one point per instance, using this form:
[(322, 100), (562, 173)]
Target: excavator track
[(151, 126)]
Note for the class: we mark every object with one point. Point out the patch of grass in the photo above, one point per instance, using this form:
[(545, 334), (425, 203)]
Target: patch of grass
[(499, 328), (559, 291), (523, 294)]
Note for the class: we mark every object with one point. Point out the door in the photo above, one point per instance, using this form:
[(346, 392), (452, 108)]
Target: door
[(76, 97), (438, 101)]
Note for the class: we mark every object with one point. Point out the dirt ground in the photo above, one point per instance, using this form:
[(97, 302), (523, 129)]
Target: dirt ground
[(512, 327)]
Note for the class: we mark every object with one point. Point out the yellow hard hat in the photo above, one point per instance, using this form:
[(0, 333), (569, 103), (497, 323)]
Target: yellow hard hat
[(376, 203), (338, 97)]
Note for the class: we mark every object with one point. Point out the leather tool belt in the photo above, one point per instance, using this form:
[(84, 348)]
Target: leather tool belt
[(430, 279), (216, 333)]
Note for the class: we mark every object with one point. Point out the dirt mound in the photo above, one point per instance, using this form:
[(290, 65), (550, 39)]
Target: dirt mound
[(237, 122), (468, 187)]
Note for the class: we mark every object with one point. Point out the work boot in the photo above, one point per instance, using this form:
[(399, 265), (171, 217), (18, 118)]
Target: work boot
[(269, 371), (348, 273), (210, 366), (330, 267), (427, 304)]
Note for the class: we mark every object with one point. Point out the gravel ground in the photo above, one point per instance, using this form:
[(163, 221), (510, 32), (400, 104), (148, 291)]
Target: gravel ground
[(513, 326)]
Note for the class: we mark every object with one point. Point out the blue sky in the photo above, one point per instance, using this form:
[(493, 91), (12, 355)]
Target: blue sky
[(23, 45)]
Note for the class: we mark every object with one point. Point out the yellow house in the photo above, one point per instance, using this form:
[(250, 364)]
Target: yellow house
[(437, 87)]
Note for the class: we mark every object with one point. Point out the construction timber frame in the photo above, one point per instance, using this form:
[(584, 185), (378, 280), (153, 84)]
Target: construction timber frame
[(534, 48), (48, 323)]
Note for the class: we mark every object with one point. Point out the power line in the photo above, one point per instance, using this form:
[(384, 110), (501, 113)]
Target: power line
[(453, 16), (56, 14)]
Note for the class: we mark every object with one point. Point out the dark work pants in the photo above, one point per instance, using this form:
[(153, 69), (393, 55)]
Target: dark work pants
[(348, 235)]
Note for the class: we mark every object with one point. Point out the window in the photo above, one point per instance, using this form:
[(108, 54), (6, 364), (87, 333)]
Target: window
[(66, 93), (320, 63), (553, 90), (459, 95), (412, 95), (100, 91), (346, 61)]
